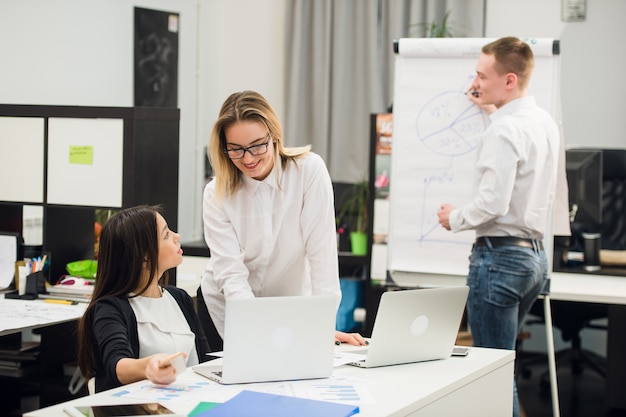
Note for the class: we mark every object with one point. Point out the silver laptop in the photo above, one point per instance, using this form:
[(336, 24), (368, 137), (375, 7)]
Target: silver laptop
[(415, 326), (276, 339)]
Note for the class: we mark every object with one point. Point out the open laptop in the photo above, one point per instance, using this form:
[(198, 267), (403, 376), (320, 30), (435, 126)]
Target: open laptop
[(276, 339), (415, 326)]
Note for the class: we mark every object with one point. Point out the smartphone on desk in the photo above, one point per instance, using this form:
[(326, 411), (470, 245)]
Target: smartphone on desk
[(460, 351), (125, 410)]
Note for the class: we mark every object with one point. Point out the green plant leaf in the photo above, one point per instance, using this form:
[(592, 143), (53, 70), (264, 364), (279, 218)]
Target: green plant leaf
[(355, 207)]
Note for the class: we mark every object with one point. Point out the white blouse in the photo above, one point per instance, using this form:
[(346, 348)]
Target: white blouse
[(272, 240), (162, 327)]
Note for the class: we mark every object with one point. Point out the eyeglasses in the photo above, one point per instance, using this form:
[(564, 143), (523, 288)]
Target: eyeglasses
[(253, 150)]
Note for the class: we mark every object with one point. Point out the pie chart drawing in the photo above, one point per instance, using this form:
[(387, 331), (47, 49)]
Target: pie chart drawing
[(449, 124)]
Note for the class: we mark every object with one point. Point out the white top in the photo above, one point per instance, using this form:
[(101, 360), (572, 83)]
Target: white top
[(271, 240), (517, 170), (162, 327)]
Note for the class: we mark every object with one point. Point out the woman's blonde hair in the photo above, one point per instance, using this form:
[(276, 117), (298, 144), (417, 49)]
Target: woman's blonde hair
[(245, 106)]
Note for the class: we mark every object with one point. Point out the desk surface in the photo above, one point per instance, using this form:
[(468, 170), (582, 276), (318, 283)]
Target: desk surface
[(19, 315), (428, 388), (565, 286), (607, 289)]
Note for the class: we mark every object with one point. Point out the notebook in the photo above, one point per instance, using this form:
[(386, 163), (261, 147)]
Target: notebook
[(415, 326), (276, 339)]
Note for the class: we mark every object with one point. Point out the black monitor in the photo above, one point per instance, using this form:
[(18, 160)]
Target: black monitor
[(584, 178)]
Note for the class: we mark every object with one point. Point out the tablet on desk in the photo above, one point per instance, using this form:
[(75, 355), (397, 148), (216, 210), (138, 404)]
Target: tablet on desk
[(125, 410)]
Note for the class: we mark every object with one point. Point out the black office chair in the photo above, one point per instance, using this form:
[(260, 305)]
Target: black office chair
[(573, 317), (216, 344)]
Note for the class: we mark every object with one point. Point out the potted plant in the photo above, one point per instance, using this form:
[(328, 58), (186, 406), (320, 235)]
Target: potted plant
[(435, 29), (354, 212)]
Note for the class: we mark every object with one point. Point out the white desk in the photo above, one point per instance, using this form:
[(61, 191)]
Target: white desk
[(576, 287), (478, 385), (56, 324), (607, 289), (19, 315), (587, 288)]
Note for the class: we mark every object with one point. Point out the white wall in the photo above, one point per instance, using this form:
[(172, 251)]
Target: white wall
[(593, 63), (240, 48), (80, 52)]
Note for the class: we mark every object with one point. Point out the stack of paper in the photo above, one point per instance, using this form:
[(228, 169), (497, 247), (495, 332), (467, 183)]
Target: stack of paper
[(258, 404), (78, 290)]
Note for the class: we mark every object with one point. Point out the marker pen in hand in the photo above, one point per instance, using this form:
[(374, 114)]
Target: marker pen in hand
[(177, 360)]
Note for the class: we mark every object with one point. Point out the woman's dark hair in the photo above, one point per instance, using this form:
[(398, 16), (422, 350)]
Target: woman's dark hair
[(129, 246)]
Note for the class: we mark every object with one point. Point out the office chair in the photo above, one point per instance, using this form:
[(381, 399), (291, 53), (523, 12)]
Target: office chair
[(571, 318), (216, 344)]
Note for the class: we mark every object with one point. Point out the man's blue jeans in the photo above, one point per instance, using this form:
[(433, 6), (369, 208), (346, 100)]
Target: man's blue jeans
[(504, 283)]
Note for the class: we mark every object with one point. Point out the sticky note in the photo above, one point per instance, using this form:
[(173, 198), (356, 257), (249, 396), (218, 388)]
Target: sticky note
[(81, 155)]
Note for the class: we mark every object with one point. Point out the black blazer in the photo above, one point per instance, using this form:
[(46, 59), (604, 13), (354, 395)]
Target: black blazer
[(116, 337)]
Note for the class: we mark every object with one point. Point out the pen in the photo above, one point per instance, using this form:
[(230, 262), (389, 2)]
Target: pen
[(36, 264), (474, 93), (168, 360), (66, 302)]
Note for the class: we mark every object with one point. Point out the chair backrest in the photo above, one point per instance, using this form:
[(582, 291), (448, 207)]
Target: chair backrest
[(216, 344)]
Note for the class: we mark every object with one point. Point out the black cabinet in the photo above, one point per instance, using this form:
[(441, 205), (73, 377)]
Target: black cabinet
[(71, 161)]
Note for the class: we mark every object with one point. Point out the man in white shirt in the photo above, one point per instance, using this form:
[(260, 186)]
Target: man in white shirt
[(516, 185)]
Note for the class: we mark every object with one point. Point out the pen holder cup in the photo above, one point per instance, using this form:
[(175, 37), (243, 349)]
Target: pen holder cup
[(36, 283)]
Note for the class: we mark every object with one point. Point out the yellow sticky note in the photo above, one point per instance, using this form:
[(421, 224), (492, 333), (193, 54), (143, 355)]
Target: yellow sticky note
[(82, 155)]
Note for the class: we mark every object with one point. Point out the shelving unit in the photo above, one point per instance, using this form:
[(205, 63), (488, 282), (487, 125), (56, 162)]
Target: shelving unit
[(129, 157), (71, 161)]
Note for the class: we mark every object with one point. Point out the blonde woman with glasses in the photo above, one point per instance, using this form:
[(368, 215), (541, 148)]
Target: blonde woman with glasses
[(269, 215)]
